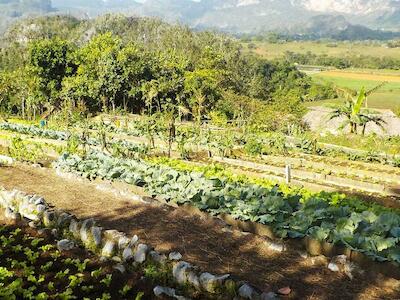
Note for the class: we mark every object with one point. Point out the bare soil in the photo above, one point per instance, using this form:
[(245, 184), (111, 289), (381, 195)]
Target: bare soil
[(205, 243)]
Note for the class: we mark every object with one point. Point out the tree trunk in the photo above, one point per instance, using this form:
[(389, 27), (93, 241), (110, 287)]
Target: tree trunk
[(125, 104), (104, 100), (171, 134), (113, 105), (23, 108)]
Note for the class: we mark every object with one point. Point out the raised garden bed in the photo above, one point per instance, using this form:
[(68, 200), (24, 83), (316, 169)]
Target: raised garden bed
[(371, 232)]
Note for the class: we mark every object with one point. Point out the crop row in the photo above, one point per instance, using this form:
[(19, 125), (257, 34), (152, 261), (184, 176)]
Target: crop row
[(374, 233), (116, 145), (221, 142)]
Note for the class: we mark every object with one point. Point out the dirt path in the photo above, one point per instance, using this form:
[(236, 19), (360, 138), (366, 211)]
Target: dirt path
[(202, 242)]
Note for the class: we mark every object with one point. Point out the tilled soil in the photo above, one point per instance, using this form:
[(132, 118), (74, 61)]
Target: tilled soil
[(203, 242)]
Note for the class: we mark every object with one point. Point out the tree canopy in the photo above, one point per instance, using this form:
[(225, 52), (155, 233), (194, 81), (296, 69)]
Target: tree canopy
[(139, 65)]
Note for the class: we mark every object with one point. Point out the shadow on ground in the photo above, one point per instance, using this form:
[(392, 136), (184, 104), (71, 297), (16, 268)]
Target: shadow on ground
[(204, 242)]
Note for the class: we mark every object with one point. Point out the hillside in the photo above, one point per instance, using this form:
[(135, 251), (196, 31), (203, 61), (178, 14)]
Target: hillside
[(11, 10), (249, 16), (344, 19)]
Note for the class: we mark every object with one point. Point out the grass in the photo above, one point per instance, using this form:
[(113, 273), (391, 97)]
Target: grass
[(387, 97), (273, 51)]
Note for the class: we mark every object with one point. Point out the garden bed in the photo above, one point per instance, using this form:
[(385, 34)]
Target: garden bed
[(314, 177), (32, 266), (208, 245)]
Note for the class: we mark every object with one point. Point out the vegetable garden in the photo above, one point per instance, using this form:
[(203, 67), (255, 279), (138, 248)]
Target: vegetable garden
[(237, 191)]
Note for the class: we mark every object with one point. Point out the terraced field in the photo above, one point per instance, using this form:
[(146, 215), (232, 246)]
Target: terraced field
[(226, 215)]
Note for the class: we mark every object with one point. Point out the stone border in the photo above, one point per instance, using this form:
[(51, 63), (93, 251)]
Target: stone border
[(117, 246)]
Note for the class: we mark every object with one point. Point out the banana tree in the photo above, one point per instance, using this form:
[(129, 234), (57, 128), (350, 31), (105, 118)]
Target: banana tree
[(368, 117), (350, 110), (354, 113)]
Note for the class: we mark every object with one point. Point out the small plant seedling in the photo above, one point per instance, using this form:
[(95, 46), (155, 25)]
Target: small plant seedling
[(107, 280)]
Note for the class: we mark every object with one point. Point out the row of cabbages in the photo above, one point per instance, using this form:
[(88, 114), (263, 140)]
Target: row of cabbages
[(373, 233), (115, 245), (36, 131)]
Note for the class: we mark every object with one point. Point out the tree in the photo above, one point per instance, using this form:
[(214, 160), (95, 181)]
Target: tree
[(50, 62), (135, 65), (201, 87), (353, 112), (369, 117), (99, 71)]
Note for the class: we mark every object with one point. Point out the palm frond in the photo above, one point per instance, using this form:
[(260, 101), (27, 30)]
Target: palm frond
[(374, 89)]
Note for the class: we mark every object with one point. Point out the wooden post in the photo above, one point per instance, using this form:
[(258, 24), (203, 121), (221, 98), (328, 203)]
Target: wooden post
[(288, 173)]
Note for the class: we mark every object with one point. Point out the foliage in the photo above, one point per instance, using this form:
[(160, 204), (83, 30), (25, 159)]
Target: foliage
[(136, 65), (32, 268), (24, 151), (344, 62), (354, 114), (289, 215)]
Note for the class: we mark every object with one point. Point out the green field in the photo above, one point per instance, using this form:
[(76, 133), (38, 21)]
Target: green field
[(337, 49), (387, 97)]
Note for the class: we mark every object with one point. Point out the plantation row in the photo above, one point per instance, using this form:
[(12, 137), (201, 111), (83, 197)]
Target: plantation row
[(221, 142), (116, 144), (374, 231)]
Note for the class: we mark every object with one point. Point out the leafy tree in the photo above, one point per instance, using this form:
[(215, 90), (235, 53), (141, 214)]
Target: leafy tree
[(99, 75), (50, 62)]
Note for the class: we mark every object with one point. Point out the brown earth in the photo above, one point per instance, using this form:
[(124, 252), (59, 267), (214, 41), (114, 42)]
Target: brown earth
[(205, 243)]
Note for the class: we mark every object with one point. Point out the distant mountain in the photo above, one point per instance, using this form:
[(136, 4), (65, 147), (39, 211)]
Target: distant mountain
[(337, 27), (250, 16), (11, 10), (323, 18)]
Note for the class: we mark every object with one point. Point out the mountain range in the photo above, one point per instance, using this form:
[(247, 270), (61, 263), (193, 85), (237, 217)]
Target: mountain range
[(317, 18)]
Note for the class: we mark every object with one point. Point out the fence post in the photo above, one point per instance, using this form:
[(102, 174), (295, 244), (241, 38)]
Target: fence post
[(288, 173)]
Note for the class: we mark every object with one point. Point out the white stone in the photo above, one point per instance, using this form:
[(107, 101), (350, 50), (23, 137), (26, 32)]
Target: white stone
[(74, 227), (96, 235), (175, 256), (6, 160), (275, 246), (211, 282), (49, 218), (180, 270), (39, 201), (123, 242), (248, 292), (333, 267), (157, 257), (161, 290), (134, 241), (120, 267), (127, 254), (141, 251), (108, 249), (65, 245)]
